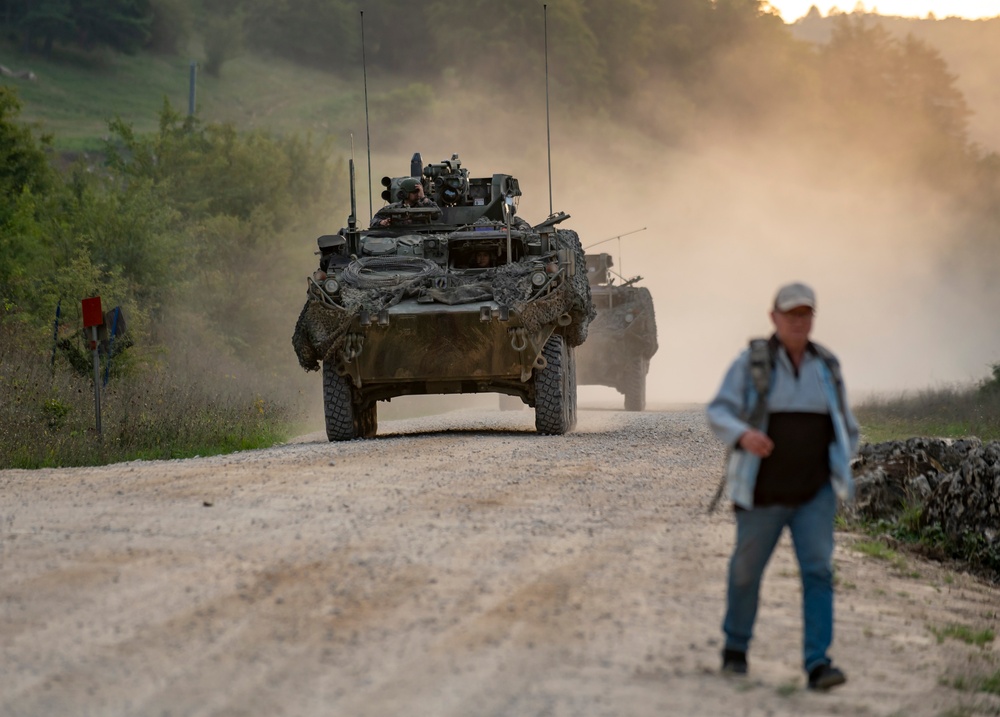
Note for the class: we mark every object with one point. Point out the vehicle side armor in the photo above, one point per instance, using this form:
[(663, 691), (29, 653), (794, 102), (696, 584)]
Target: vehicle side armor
[(622, 338)]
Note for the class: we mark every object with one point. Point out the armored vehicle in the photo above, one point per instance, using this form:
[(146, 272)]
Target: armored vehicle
[(462, 296), (622, 337)]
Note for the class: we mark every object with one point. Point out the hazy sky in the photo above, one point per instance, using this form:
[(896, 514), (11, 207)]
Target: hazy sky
[(791, 10)]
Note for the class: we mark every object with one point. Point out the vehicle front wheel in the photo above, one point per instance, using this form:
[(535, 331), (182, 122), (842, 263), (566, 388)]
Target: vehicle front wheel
[(337, 405), (555, 389)]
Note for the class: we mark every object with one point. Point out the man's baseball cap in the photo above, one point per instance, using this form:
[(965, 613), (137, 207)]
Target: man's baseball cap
[(792, 295), (409, 185)]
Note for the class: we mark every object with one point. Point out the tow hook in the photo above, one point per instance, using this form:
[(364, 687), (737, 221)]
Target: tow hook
[(354, 344), (518, 338)]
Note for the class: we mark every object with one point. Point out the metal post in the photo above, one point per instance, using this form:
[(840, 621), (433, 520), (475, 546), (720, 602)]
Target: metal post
[(191, 89), (97, 380)]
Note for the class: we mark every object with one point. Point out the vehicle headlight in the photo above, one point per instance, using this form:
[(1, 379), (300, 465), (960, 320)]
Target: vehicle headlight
[(629, 318), (331, 286), (538, 278)]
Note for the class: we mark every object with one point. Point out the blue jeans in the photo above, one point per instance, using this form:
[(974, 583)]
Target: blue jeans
[(757, 532)]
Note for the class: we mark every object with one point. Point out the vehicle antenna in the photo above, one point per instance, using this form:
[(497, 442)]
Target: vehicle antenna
[(620, 271), (548, 132), (617, 236), (352, 220), (364, 69)]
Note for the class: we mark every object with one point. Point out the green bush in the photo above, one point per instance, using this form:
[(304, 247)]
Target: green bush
[(990, 387), (188, 231)]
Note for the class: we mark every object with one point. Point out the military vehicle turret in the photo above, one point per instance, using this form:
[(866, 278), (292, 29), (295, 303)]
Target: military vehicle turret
[(462, 296), (622, 338)]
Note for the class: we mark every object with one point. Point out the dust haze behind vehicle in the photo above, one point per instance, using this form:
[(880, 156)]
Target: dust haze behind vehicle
[(461, 297)]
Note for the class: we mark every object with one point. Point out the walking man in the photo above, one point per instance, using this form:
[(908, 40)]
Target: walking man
[(783, 412)]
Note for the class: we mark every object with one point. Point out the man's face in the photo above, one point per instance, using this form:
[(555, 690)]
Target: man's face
[(793, 326), (416, 195)]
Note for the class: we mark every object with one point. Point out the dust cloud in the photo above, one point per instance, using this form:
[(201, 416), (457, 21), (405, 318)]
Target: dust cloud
[(724, 223)]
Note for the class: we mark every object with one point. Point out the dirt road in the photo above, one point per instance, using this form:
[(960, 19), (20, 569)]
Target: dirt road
[(456, 565)]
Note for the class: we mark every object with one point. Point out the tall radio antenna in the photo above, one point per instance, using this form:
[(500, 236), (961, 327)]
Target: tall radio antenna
[(352, 221), (548, 132), (368, 134)]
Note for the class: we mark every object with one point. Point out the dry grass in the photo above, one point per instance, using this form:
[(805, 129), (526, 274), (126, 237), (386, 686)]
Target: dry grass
[(954, 412), (155, 411)]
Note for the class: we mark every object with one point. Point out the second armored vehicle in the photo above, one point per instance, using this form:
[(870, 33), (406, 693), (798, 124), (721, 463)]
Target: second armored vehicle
[(460, 297), (622, 339)]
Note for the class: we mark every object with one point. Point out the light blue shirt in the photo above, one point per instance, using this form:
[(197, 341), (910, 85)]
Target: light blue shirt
[(813, 390)]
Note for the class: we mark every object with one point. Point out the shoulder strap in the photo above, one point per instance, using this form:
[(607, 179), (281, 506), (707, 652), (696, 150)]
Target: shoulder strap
[(761, 366), (833, 364)]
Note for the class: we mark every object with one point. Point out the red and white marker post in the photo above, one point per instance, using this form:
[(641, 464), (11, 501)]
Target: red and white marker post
[(92, 318)]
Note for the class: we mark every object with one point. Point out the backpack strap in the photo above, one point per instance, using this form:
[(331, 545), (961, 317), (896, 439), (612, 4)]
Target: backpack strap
[(761, 366), (833, 364)]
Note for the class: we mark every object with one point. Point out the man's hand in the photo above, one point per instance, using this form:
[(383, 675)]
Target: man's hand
[(757, 443)]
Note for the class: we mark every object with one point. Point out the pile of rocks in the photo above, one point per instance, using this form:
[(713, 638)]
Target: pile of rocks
[(956, 483)]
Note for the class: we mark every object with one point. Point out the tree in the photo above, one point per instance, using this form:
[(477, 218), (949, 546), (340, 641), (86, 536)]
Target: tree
[(26, 178), (23, 162), (46, 21), (318, 33), (170, 25), (122, 25)]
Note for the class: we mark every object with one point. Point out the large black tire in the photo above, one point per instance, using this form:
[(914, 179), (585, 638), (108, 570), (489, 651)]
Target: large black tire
[(555, 389), (337, 405), (635, 384)]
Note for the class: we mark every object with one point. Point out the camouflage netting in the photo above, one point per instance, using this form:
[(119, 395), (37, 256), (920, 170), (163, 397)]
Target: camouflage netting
[(957, 483), (376, 283), (581, 306), (319, 330)]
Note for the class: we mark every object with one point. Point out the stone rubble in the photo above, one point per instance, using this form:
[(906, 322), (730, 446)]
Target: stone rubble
[(954, 483)]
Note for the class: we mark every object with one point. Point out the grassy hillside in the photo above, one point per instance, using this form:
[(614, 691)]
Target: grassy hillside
[(73, 101)]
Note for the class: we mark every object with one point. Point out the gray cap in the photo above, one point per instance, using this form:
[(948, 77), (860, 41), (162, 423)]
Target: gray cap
[(793, 295), (408, 185)]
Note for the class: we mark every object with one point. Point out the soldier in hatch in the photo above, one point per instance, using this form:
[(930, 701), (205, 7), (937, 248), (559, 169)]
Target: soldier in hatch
[(411, 194)]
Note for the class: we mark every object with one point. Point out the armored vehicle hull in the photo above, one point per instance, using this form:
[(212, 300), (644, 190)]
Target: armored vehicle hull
[(621, 339), (465, 297)]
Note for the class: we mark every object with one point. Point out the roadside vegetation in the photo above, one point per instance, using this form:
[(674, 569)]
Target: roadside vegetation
[(948, 412), (176, 229)]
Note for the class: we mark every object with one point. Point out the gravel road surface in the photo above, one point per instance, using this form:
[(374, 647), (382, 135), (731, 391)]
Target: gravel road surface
[(456, 565)]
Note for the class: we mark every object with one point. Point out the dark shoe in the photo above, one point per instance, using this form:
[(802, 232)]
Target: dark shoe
[(826, 676), (734, 662)]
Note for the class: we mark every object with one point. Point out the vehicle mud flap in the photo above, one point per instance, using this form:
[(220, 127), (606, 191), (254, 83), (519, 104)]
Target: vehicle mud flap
[(366, 420), (634, 382), (338, 408), (555, 389)]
